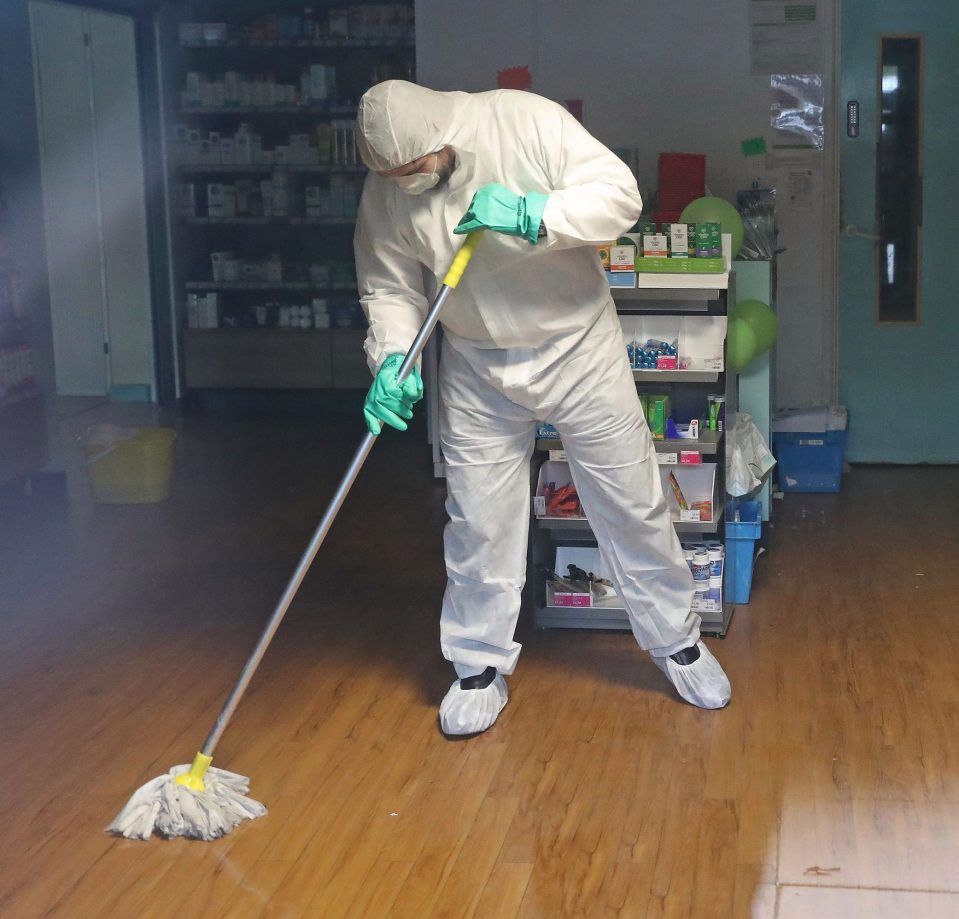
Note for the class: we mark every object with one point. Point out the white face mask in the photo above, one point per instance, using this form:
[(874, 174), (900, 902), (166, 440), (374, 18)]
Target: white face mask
[(417, 183)]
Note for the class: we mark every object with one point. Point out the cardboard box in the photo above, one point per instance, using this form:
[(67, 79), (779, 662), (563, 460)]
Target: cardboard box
[(678, 241), (622, 258), (655, 245), (657, 414), (221, 200)]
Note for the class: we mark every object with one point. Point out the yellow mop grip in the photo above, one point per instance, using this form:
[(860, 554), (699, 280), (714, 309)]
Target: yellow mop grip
[(462, 259), (194, 778)]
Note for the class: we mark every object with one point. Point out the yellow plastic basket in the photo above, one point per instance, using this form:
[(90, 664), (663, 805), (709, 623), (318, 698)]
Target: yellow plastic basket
[(132, 469)]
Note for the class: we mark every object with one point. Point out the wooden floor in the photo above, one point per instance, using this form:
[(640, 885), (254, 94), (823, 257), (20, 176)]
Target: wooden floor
[(828, 788)]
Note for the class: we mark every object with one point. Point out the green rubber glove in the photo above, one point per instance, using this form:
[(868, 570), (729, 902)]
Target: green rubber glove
[(495, 207), (390, 401)]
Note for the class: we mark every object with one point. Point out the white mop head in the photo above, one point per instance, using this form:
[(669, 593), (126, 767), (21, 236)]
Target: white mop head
[(168, 809)]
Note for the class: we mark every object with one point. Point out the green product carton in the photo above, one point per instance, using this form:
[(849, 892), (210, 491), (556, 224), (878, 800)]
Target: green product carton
[(657, 415), (715, 239), (691, 236), (703, 241)]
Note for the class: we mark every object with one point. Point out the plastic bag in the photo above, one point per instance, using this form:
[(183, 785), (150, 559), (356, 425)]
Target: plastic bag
[(748, 460)]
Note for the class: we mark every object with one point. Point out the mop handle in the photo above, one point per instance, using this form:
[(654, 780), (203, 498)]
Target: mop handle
[(416, 349)]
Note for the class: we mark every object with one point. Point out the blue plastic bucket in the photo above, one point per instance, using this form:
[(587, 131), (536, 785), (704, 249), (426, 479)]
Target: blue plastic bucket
[(741, 537)]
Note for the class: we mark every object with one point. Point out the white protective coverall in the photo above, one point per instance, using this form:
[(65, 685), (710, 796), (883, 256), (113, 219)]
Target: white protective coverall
[(531, 334)]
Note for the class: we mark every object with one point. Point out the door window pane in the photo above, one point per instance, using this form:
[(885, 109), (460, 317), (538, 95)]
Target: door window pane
[(898, 178)]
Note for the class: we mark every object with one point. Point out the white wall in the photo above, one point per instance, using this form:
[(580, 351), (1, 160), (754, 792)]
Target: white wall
[(661, 77)]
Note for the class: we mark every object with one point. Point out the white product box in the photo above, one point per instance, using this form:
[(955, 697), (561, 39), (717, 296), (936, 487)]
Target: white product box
[(226, 151), (655, 245), (622, 258), (678, 241), (243, 149), (221, 200), (214, 33), (217, 260), (208, 308)]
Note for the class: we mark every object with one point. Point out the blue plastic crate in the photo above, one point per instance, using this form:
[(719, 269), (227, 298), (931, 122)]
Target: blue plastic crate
[(741, 537), (810, 461)]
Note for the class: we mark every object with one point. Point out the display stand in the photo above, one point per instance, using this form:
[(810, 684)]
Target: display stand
[(659, 295)]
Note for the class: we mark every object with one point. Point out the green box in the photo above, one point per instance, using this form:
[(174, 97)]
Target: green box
[(703, 240), (646, 227), (691, 236), (657, 415), (715, 239)]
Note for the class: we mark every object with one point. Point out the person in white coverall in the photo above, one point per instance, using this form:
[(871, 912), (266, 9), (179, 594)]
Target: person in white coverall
[(530, 334)]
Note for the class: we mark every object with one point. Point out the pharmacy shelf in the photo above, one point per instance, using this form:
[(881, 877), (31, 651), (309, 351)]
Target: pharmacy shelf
[(331, 110), (322, 168), (262, 221), (659, 283), (680, 301), (707, 444), (676, 376), (327, 44), (580, 526), (266, 285), (598, 617)]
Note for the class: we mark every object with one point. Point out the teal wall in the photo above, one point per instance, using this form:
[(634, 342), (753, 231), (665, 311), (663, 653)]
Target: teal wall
[(899, 382)]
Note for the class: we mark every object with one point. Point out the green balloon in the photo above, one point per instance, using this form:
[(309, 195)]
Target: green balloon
[(716, 210), (761, 319), (740, 344)]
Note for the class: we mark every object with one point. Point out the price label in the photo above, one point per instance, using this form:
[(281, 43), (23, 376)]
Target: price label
[(689, 516), (667, 459)]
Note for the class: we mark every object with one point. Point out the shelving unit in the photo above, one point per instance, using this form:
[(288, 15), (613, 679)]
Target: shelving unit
[(663, 295), (299, 131)]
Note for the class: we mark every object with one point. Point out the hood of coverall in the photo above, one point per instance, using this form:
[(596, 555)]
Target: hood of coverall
[(398, 122)]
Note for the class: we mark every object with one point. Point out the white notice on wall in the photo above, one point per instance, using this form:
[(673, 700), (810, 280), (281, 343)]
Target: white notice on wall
[(799, 188), (785, 36)]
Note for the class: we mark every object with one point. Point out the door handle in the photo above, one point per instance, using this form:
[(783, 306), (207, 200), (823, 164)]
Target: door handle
[(851, 230)]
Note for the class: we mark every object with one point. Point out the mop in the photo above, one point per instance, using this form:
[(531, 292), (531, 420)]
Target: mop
[(199, 800)]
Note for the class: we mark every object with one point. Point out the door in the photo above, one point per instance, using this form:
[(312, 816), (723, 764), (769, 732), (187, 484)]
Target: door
[(898, 315), (94, 198)]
